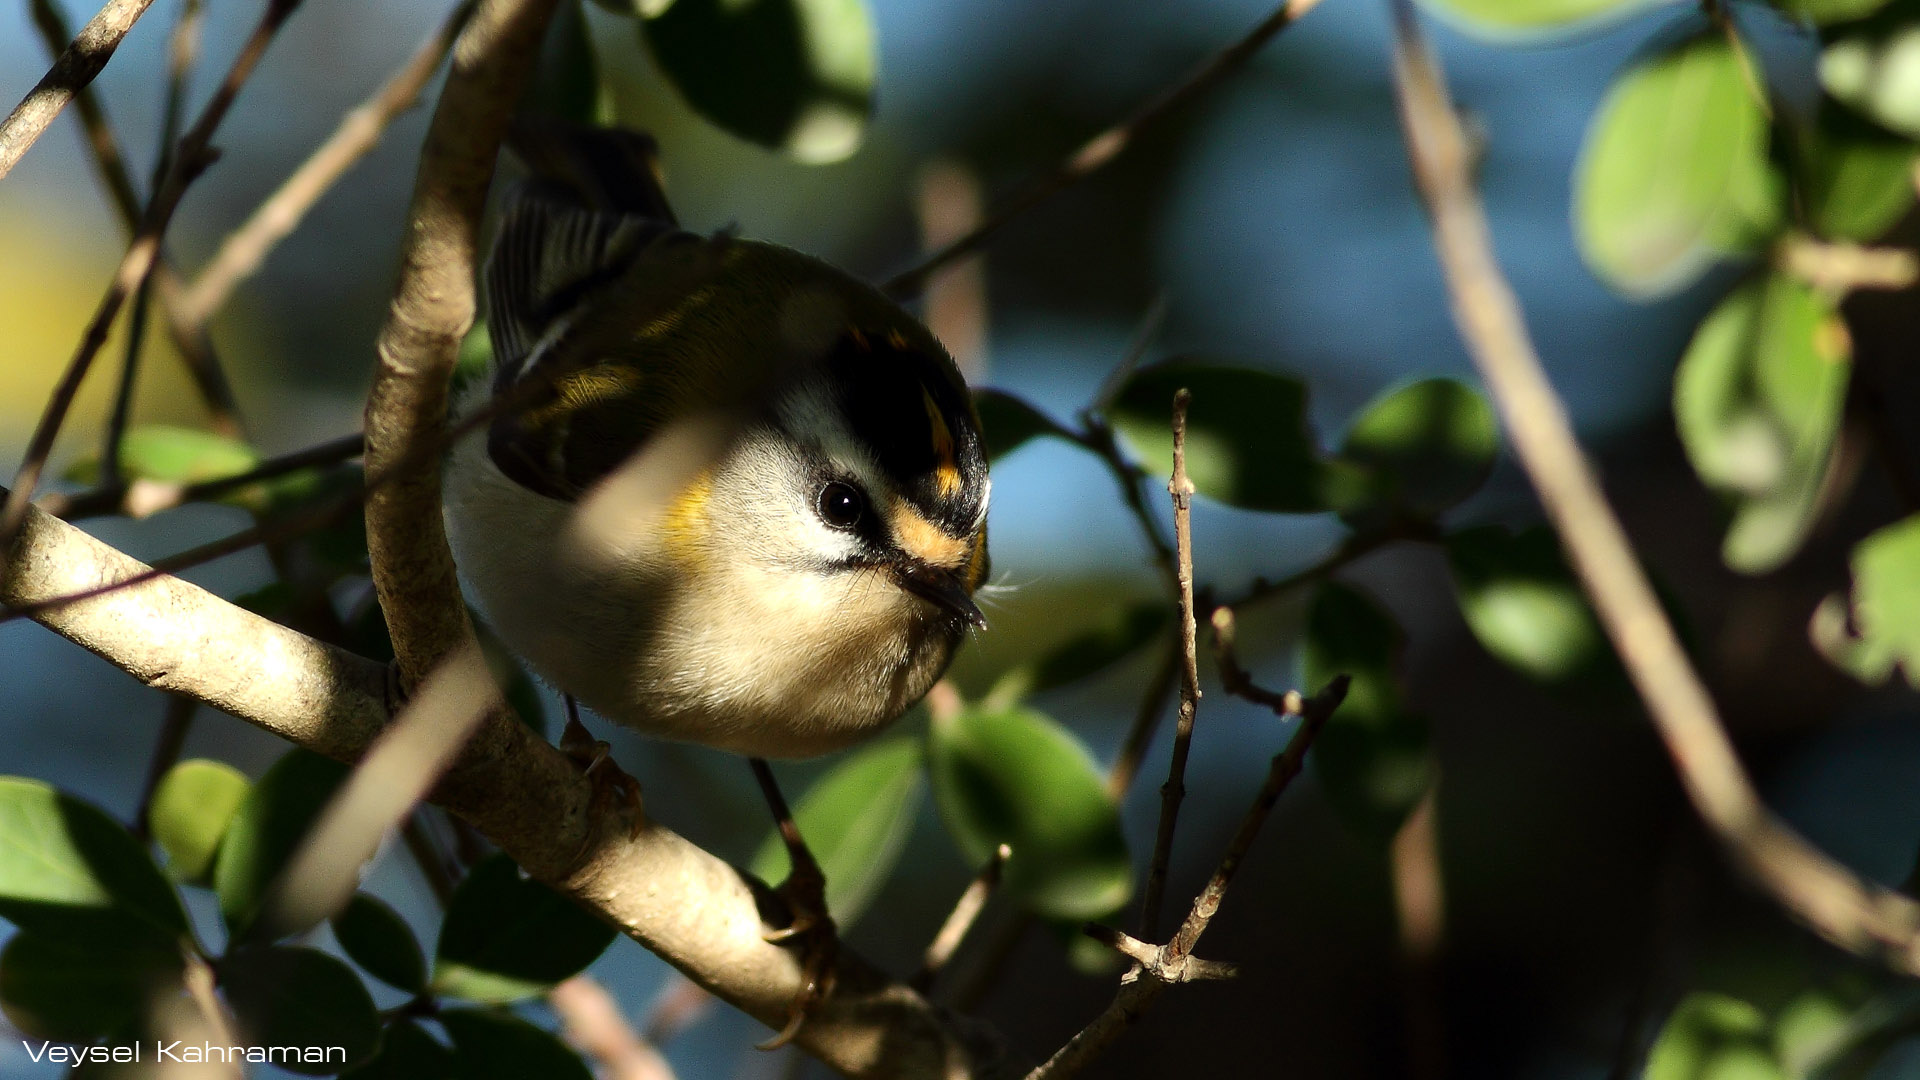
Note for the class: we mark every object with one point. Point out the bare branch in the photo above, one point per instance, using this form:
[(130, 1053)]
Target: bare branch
[(433, 307), (83, 59), (244, 249), (137, 500), (1175, 789), (1858, 916), (593, 1022), (961, 919), (1101, 150)]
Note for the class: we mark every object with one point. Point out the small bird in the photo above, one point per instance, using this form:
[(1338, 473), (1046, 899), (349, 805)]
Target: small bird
[(730, 494)]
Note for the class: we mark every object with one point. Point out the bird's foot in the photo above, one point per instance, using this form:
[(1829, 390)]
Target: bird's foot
[(595, 759), (810, 928)]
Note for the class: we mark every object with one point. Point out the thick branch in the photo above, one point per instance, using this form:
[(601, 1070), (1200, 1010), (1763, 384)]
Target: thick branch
[(1854, 914), (695, 911)]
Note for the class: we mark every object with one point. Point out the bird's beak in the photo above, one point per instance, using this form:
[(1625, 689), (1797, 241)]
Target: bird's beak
[(943, 589)]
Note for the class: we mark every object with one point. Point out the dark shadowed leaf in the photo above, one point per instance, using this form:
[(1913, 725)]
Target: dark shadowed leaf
[(794, 75), (77, 992), (1884, 631), (1373, 756), (266, 830), (1523, 603), (1859, 178), (1016, 777), (1247, 438), (1757, 400), (855, 820), (406, 1053), (74, 875), (1008, 422), (192, 807), (566, 82), (1119, 634), (1423, 447), (491, 1045), (508, 937), (1674, 169), (375, 937), (303, 999), (1826, 12)]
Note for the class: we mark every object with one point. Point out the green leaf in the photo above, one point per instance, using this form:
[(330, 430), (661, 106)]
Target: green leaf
[(192, 806), (172, 455), (1713, 1036), (80, 991), (1523, 603), (1885, 624), (793, 75), (489, 1045), (475, 363), (1758, 399), (406, 1053), (289, 997), (268, 828), (1008, 422), (1247, 438), (1825, 12), (566, 81), (379, 940), (73, 874), (1506, 19), (855, 820), (1016, 777), (1875, 70), (1373, 756), (1673, 170), (1119, 634), (508, 937), (1423, 447), (1859, 179)]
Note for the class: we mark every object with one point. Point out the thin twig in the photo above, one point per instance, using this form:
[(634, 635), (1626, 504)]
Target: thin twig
[(1863, 918), (194, 154), (1419, 903), (151, 498), (592, 1021), (166, 751), (196, 348), (83, 59), (1157, 969), (1102, 149), (1175, 789), (960, 920), (182, 47), (244, 249)]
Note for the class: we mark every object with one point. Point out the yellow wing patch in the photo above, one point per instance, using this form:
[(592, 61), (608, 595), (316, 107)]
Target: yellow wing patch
[(685, 528)]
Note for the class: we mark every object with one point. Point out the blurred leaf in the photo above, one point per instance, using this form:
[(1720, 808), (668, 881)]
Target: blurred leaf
[(1424, 447), (340, 544), (1712, 1036), (1757, 399), (77, 991), (1510, 18), (518, 687), (1673, 167), (490, 1045), (1247, 439), (1823, 12), (855, 820), (292, 997), (508, 937), (171, 455), (74, 875), (1008, 422), (374, 936), (1859, 179), (1523, 603), (475, 362), (1016, 777), (1120, 633), (1373, 756), (566, 80), (192, 806), (793, 75), (1874, 70), (267, 829), (1885, 631), (406, 1053)]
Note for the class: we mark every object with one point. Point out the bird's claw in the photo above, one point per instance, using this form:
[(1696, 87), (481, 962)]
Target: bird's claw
[(595, 760), (812, 929)]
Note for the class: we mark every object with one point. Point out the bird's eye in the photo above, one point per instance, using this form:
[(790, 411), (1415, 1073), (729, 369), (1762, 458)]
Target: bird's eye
[(840, 505)]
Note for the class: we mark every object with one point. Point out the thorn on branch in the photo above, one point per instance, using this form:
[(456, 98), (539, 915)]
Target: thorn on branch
[(1153, 961)]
